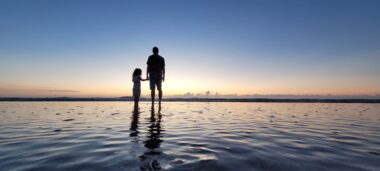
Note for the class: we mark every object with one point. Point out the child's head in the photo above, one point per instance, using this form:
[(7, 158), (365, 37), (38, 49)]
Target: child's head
[(137, 72)]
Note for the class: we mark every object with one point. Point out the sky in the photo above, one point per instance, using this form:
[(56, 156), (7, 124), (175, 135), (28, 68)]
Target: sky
[(91, 47)]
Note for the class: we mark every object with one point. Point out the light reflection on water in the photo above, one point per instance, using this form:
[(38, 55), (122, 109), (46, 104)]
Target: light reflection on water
[(189, 136)]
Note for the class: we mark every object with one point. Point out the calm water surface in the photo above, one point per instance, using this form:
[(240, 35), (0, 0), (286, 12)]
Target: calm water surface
[(189, 136)]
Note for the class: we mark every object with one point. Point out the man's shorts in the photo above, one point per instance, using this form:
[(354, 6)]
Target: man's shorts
[(155, 81)]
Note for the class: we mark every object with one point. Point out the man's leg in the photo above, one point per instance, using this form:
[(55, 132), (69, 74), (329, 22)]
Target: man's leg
[(152, 89), (152, 94), (159, 96), (159, 88)]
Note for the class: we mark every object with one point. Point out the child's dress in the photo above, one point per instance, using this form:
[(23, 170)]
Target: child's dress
[(136, 86)]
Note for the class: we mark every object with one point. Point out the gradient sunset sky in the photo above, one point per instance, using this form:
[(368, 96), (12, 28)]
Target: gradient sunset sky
[(90, 48)]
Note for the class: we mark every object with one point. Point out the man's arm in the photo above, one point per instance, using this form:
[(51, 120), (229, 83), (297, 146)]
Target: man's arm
[(163, 69), (147, 68), (147, 72), (163, 74)]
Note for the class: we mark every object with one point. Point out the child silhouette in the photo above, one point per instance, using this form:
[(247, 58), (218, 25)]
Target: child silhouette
[(136, 78)]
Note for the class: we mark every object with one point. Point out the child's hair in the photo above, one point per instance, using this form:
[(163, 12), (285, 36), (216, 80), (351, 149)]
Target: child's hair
[(137, 72)]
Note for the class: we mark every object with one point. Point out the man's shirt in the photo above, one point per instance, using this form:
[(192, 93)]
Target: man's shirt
[(156, 64)]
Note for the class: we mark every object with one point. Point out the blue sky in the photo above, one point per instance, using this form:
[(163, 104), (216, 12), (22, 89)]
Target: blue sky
[(90, 48)]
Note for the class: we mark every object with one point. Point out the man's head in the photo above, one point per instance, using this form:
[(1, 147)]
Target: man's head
[(155, 50)]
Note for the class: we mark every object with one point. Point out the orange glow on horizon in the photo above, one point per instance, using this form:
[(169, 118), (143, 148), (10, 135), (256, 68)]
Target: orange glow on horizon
[(176, 88)]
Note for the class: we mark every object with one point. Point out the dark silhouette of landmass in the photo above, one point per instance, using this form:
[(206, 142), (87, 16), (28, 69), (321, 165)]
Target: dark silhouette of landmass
[(127, 98)]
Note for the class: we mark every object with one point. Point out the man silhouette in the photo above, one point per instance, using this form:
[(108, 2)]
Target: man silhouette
[(156, 74)]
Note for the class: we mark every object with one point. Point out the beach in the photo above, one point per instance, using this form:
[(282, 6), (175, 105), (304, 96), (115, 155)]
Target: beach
[(189, 136)]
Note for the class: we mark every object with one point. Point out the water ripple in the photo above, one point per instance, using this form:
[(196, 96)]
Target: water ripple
[(189, 136)]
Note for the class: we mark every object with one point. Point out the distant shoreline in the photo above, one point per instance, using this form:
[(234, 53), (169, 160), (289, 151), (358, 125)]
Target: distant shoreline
[(268, 100)]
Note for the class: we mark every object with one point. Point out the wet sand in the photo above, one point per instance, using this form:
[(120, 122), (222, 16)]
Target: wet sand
[(189, 136)]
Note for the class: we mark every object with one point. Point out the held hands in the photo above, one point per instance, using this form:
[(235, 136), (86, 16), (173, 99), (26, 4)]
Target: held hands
[(147, 78)]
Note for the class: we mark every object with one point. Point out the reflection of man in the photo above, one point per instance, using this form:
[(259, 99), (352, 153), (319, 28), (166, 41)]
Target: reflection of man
[(155, 73), (150, 159), (154, 133)]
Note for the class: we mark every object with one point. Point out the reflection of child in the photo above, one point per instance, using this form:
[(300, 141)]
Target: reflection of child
[(136, 78)]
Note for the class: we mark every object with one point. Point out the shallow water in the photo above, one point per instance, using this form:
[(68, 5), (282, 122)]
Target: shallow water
[(189, 136)]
